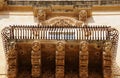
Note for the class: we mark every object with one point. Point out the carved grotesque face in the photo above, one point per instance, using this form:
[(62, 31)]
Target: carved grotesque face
[(60, 47), (84, 46), (108, 46), (83, 13), (36, 46)]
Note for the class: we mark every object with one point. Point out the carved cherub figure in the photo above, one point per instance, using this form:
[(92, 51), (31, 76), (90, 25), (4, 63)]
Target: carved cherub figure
[(11, 49), (83, 15), (84, 46), (36, 46), (60, 46), (108, 47)]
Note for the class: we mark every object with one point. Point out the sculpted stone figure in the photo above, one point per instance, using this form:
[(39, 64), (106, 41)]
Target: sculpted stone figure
[(36, 59), (41, 15), (83, 60), (60, 46), (12, 60), (108, 47), (107, 60), (83, 15), (36, 46), (11, 50), (35, 54), (84, 46), (60, 60)]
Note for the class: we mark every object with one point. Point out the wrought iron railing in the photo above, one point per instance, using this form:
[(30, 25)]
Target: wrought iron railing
[(18, 33), (29, 32)]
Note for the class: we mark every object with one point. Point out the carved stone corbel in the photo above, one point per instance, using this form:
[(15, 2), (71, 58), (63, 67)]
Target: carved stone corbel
[(36, 59), (83, 60), (12, 60), (107, 60), (60, 56)]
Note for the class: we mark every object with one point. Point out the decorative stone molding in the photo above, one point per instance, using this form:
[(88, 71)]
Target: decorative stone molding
[(77, 13), (107, 60), (36, 59), (60, 60), (62, 21), (83, 60)]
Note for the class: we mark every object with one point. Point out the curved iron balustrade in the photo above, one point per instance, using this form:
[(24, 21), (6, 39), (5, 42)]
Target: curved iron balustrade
[(89, 33), (101, 36)]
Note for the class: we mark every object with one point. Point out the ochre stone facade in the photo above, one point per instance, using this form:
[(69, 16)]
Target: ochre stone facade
[(62, 45)]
